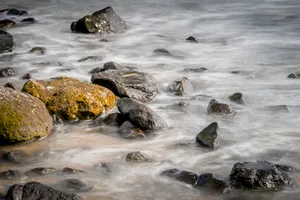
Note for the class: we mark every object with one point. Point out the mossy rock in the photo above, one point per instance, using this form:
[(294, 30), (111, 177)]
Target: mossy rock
[(22, 117), (71, 99)]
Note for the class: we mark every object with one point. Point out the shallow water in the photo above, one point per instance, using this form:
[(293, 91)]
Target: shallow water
[(258, 38)]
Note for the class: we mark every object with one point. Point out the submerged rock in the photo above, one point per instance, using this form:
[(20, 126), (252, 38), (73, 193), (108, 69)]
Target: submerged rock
[(29, 20), (214, 107), (6, 42), (27, 76), (237, 98), (7, 72), (183, 176), (71, 99), (129, 131), (73, 186), (90, 59), (162, 52), (16, 156), (195, 70), (6, 23), (260, 175), (10, 174), (23, 117), (114, 119), (68, 170), (209, 136), (180, 87), (38, 50), (41, 171), (294, 75), (191, 39), (102, 21), (136, 156), (133, 84), (13, 11), (210, 181)]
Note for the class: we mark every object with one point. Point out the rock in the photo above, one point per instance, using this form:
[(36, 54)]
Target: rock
[(191, 39), (68, 170), (180, 106), (96, 70), (73, 186), (71, 99), (140, 115), (209, 136), (210, 181), (278, 108), (136, 157), (133, 84), (26, 76), (6, 42), (29, 20), (236, 72), (90, 59), (284, 168), (13, 11), (260, 175), (195, 70), (38, 50), (114, 119), (41, 171), (15, 156), (111, 65), (162, 52), (10, 174), (183, 176), (102, 21), (6, 23), (180, 87), (214, 107), (104, 166), (23, 117), (294, 75), (237, 98), (36, 190), (10, 85), (7, 72), (129, 131)]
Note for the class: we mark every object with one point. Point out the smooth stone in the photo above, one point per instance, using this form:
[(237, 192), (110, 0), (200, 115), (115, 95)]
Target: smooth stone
[(14, 11), (114, 119), (195, 70), (26, 76), (90, 59), (16, 156), (6, 23), (209, 136), (41, 171), (162, 52), (295, 75), (29, 20), (183, 176), (214, 107)]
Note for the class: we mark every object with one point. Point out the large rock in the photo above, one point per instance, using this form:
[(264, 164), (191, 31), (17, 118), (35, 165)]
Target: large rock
[(260, 175), (214, 107), (209, 136), (71, 99), (22, 117), (140, 115), (35, 190), (102, 21), (133, 84), (181, 86), (6, 42)]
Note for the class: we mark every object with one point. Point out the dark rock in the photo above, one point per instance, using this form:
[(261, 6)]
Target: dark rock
[(162, 52), (136, 157), (102, 21), (211, 182), (111, 65), (10, 174), (40, 171), (35, 190), (73, 186), (214, 107), (140, 115), (90, 59), (260, 175), (96, 70), (104, 40), (237, 98), (183, 176), (114, 119), (294, 75), (6, 23), (209, 136), (68, 170), (191, 39), (284, 168), (133, 84), (10, 85), (181, 87), (38, 50), (16, 156), (129, 131), (29, 20), (13, 11), (26, 76), (7, 71), (6, 42), (195, 70), (236, 72)]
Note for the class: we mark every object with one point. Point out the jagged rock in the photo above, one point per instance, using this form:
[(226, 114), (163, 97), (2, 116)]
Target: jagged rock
[(237, 98), (7, 71), (6, 23), (183, 176), (214, 107), (210, 181), (41, 171), (10, 174), (191, 39), (129, 131), (136, 156), (180, 87), (209, 136)]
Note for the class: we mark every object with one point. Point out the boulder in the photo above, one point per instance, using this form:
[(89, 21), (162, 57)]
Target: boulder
[(183, 176), (136, 156), (260, 175), (36, 190), (237, 98), (6, 42), (68, 170), (13, 11), (209, 136), (41, 171), (214, 107), (6, 23), (23, 117), (191, 39), (102, 21), (7, 72), (73, 185), (140, 115), (16, 156), (10, 174), (210, 181), (137, 85), (71, 99), (38, 50), (181, 87), (129, 131)]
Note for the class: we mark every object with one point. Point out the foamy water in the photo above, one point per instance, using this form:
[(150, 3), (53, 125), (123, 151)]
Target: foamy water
[(258, 38)]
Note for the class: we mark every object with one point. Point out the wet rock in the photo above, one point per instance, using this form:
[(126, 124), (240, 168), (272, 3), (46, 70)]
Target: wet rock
[(278, 108), (214, 107), (180, 87), (23, 117), (162, 52), (6, 42), (237, 98), (38, 50), (183, 176), (15, 156), (96, 70), (10, 85), (103, 21), (129, 131), (114, 119), (191, 39), (209, 136), (260, 175), (140, 115), (136, 157), (133, 84), (111, 65), (90, 59), (29, 20), (36, 190), (6, 23), (26, 76), (68, 170), (284, 168), (294, 75), (7, 72), (210, 181), (73, 186), (71, 99), (195, 70), (10, 174), (13, 11), (41, 171)]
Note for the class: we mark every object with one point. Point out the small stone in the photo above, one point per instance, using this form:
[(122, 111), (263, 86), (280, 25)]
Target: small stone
[(41, 171), (29, 20), (183, 176), (209, 136), (210, 181), (195, 70), (7, 72), (68, 170), (6, 23), (237, 98), (16, 156), (136, 157), (38, 50), (214, 107), (27, 76), (191, 39), (10, 85), (162, 52), (90, 59), (181, 87), (129, 131), (10, 174)]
